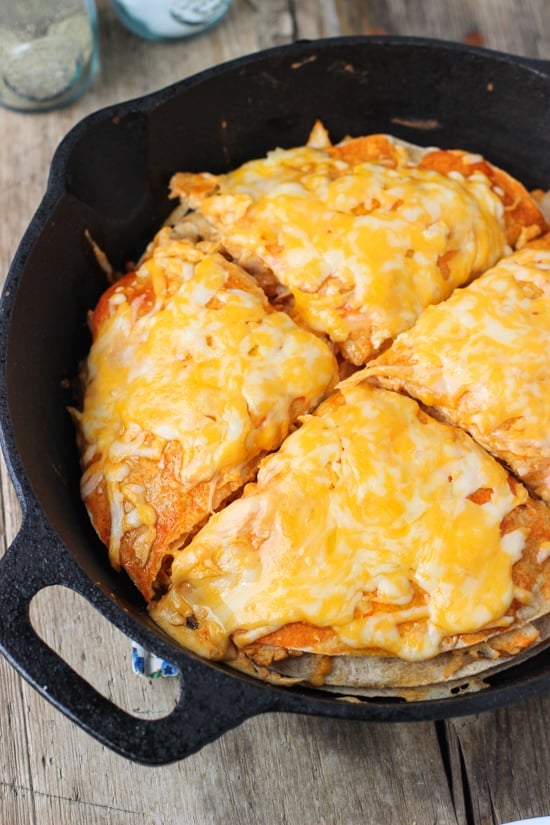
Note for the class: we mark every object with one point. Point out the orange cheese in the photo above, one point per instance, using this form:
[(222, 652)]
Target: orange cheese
[(482, 359), (188, 357), (369, 504), (363, 247)]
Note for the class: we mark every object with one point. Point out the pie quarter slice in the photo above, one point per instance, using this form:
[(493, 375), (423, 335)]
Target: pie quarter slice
[(191, 378), (480, 360), (375, 530)]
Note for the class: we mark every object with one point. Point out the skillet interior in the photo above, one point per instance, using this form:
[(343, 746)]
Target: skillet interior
[(110, 175)]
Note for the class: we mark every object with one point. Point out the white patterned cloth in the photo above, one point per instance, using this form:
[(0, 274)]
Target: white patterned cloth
[(149, 665)]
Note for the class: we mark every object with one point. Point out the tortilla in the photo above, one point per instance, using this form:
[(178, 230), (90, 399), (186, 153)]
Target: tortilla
[(191, 378), (355, 240), (375, 533), (480, 361)]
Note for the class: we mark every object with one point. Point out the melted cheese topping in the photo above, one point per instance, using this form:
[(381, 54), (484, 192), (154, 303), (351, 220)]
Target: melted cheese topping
[(359, 245), (205, 364), (365, 521), (499, 386)]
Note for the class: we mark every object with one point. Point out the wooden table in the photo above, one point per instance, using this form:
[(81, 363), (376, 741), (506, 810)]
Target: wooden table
[(274, 768)]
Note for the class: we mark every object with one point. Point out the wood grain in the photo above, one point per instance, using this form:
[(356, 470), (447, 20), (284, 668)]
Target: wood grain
[(274, 768)]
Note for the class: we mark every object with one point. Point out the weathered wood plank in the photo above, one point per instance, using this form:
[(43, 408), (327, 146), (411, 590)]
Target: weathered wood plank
[(500, 760), (519, 28), (273, 769), (17, 805)]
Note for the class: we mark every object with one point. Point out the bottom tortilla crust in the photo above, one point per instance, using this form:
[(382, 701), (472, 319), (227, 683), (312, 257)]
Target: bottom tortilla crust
[(299, 653), (464, 670)]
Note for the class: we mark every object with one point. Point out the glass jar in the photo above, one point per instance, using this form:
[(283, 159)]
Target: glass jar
[(49, 53), (169, 19)]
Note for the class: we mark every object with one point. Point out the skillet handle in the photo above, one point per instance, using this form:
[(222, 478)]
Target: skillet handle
[(209, 702)]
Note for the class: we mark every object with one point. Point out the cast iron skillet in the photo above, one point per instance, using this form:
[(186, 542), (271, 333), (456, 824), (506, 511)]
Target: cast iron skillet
[(109, 177)]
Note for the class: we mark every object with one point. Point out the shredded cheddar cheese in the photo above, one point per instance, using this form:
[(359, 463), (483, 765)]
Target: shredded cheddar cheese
[(362, 247), (366, 522), (189, 356), (481, 358)]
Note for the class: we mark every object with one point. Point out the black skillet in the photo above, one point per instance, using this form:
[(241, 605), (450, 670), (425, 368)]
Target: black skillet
[(109, 177)]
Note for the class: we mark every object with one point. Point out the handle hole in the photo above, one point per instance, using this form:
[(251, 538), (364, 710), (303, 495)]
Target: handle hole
[(99, 652)]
